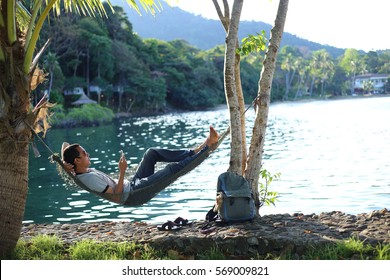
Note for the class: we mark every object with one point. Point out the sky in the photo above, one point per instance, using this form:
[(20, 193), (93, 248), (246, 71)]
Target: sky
[(359, 24)]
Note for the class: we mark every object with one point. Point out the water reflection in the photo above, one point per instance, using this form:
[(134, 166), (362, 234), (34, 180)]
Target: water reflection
[(332, 156)]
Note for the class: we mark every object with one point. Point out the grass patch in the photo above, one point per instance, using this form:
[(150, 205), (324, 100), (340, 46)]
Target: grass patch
[(350, 249), (213, 254), (44, 247), (41, 247), (92, 250)]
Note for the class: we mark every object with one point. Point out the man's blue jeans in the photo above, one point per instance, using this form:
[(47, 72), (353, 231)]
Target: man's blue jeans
[(178, 159)]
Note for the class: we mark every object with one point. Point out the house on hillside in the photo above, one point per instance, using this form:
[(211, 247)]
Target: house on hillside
[(74, 91), (371, 83), (82, 97)]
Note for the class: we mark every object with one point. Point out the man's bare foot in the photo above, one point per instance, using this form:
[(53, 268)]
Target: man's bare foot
[(211, 140)]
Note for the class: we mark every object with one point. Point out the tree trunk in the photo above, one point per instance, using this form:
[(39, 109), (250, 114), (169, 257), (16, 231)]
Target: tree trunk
[(241, 103), (298, 92), (233, 90), (230, 89), (13, 192), (14, 139), (252, 172), (15, 89), (289, 79)]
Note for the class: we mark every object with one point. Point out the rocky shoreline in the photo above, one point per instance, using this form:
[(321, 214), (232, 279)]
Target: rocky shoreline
[(269, 234)]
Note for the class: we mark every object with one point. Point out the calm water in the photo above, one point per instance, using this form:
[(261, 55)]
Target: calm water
[(332, 155)]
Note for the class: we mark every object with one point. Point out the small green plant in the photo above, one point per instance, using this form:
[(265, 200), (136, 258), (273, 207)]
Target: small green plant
[(267, 197), (383, 252), (253, 44)]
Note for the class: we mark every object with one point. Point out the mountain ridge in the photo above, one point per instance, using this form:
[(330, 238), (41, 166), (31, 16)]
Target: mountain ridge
[(174, 23)]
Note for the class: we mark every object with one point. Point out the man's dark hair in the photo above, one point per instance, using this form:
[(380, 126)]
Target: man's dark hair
[(71, 153)]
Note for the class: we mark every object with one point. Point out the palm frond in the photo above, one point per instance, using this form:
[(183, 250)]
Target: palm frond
[(36, 8), (23, 16), (11, 21), (148, 5)]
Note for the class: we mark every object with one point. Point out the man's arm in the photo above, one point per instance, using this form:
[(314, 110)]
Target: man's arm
[(122, 164)]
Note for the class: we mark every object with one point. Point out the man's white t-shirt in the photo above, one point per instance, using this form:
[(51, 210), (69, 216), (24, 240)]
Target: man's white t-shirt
[(98, 181)]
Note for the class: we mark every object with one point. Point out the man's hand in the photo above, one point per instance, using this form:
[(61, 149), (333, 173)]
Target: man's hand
[(122, 164), (68, 167)]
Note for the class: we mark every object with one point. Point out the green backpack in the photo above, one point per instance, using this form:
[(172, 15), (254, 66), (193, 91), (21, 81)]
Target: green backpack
[(234, 202)]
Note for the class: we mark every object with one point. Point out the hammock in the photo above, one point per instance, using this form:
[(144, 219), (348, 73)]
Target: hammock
[(142, 195)]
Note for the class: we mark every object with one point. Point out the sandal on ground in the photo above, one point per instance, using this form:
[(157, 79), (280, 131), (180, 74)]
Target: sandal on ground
[(169, 226), (207, 228), (182, 222)]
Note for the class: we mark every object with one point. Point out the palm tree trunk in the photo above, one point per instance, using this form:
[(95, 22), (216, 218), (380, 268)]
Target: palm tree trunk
[(312, 85), (13, 191), (14, 138)]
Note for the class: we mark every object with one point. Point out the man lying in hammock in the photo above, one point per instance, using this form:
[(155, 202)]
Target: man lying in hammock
[(77, 161)]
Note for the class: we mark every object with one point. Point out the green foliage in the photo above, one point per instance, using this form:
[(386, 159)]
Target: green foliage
[(58, 115), (56, 97), (192, 81), (88, 114), (382, 252), (267, 197), (74, 81), (253, 44)]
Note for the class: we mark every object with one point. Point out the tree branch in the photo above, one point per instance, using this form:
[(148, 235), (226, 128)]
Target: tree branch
[(224, 18)]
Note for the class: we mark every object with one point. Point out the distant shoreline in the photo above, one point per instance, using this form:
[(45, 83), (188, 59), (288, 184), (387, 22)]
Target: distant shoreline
[(171, 110), (222, 106), (333, 98)]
